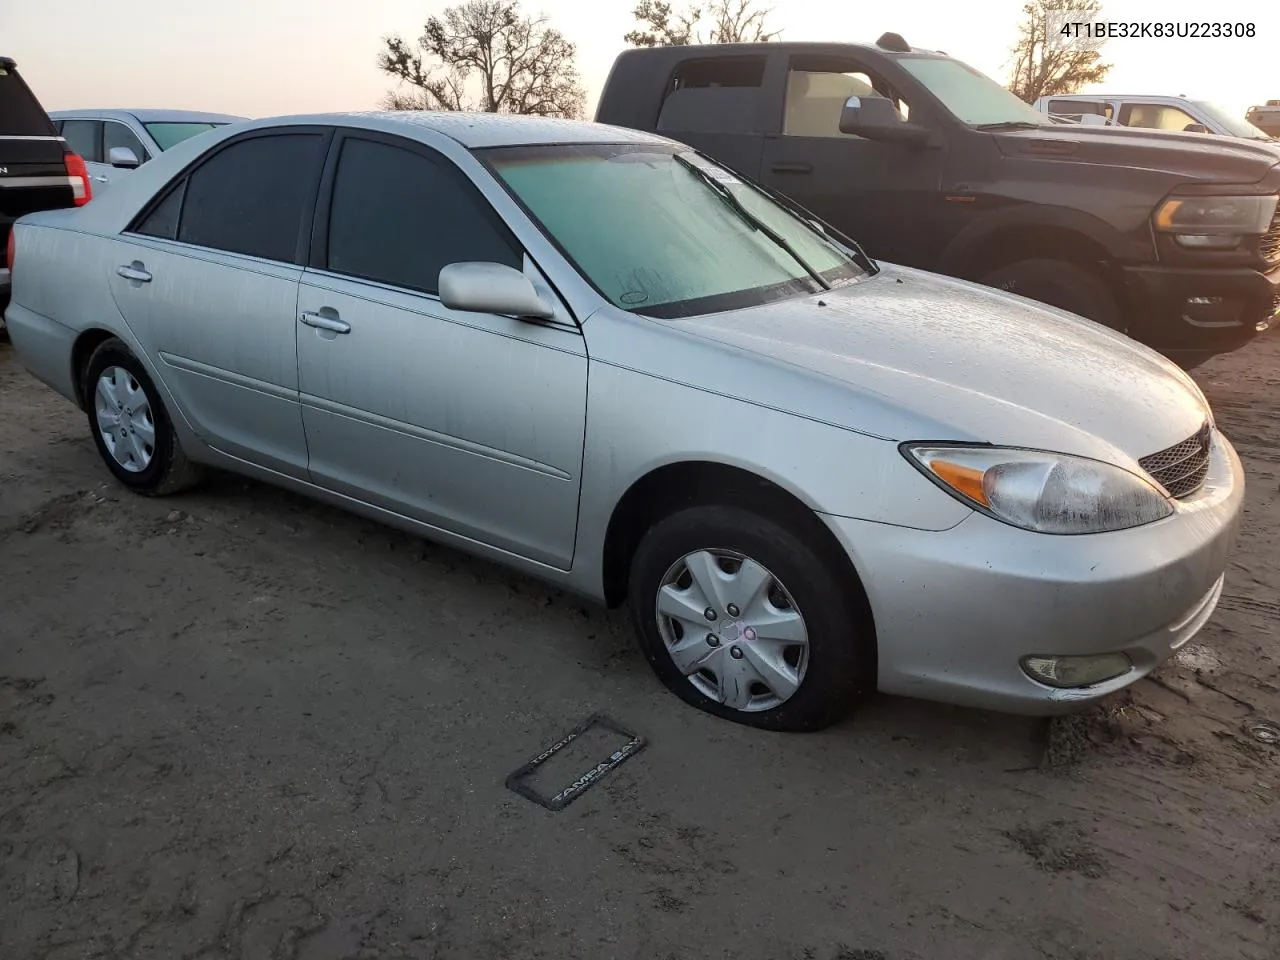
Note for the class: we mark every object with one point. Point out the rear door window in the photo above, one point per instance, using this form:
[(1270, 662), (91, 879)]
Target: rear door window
[(85, 138), (251, 197), (719, 95), (20, 112)]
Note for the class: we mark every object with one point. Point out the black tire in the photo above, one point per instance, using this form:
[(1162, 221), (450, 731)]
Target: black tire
[(169, 470), (1061, 284), (841, 637)]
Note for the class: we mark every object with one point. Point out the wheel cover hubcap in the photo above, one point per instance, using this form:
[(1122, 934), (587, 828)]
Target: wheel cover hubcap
[(125, 422), (732, 629)]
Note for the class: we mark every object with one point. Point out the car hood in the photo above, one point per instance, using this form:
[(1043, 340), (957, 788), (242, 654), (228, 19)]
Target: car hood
[(1187, 156), (909, 355)]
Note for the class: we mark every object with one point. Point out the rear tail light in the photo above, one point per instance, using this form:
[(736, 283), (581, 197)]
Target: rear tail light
[(78, 174)]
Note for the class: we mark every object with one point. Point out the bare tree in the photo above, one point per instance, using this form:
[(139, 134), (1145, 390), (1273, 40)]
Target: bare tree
[(738, 21), (1047, 62), (663, 26), (732, 21), (486, 55)]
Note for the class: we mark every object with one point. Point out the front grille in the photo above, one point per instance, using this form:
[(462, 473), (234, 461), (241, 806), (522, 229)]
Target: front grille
[(1181, 469), (1269, 245)]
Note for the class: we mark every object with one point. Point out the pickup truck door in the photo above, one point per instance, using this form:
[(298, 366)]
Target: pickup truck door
[(886, 196), (717, 106)]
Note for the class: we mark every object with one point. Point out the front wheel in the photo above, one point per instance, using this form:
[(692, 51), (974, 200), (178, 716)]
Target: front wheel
[(1060, 284), (740, 616)]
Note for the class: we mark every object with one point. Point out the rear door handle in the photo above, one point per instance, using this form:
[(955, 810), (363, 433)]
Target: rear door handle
[(134, 271), (322, 322), (792, 168)]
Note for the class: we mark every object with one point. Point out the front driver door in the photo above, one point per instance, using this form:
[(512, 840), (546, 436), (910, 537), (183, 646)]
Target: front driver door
[(472, 423), (883, 195)]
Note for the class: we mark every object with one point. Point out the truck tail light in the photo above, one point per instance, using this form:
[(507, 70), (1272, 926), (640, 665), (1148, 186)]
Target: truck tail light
[(78, 174)]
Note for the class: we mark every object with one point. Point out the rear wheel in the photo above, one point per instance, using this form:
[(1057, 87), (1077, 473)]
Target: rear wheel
[(741, 617), (1061, 284), (130, 425)]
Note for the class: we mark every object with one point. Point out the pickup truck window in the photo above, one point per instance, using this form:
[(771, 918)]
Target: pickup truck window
[(816, 97), (1230, 121), (656, 238), (974, 98), (1079, 109), (1154, 116), (720, 95)]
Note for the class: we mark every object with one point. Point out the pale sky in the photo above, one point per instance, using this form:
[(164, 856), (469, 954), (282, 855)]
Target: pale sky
[(271, 57)]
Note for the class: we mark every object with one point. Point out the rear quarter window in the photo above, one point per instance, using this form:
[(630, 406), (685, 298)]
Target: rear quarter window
[(20, 112)]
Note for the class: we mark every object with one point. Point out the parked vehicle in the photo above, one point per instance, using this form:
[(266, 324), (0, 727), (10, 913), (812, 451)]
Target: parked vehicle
[(37, 170), (1149, 112), (936, 166), (606, 360), (115, 142), (1266, 119)]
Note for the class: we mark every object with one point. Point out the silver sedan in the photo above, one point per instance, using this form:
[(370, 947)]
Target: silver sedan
[(608, 361)]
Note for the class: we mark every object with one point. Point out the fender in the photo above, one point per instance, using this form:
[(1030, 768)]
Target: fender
[(958, 254)]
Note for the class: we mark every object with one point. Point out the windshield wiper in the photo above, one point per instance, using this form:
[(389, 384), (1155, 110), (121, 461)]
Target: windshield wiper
[(1010, 125), (750, 219)]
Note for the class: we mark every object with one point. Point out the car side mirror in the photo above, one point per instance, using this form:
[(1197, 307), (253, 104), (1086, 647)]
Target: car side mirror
[(1195, 128), (876, 118), (476, 287), (123, 157)]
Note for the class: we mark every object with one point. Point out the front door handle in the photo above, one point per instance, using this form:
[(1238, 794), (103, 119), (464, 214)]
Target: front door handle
[(323, 322), (792, 168), (134, 271)]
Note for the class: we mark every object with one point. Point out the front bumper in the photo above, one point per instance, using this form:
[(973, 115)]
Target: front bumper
[(1187, 311), (957, 610)]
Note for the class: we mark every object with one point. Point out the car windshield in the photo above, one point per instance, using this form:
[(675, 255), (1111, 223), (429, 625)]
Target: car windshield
[(973, 97), (168, 135), (662, 231), (1236, 126)]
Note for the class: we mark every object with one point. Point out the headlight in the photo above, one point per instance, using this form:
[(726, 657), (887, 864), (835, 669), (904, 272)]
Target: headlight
[(1214, 223), (1042, 492)]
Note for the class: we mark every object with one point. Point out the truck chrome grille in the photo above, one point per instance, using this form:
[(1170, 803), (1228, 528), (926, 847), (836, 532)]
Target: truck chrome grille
[(1269, 245), (1181, 469)]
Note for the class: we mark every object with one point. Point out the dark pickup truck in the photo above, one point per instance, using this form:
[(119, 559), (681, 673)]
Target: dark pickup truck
[(37, 169), (1172, 238)]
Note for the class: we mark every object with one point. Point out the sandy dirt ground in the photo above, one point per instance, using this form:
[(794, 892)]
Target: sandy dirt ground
[(235, 724)]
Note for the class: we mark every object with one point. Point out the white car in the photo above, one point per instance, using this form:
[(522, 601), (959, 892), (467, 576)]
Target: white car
[(114, 142), (1149, 112), (610, 362)]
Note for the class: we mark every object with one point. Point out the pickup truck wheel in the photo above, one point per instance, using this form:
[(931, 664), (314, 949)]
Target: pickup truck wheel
[(1061, 284), (130, 425), (741, 617)]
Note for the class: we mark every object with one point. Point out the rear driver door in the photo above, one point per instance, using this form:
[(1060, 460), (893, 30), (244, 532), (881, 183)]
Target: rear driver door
[(207, 279)]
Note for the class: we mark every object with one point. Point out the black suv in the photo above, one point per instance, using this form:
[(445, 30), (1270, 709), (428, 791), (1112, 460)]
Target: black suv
[(37, 169), (1173, 238)]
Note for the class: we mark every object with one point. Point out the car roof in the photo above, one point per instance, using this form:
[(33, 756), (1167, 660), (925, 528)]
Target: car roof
[(147, 115), (475, 130), (1119, 96)]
